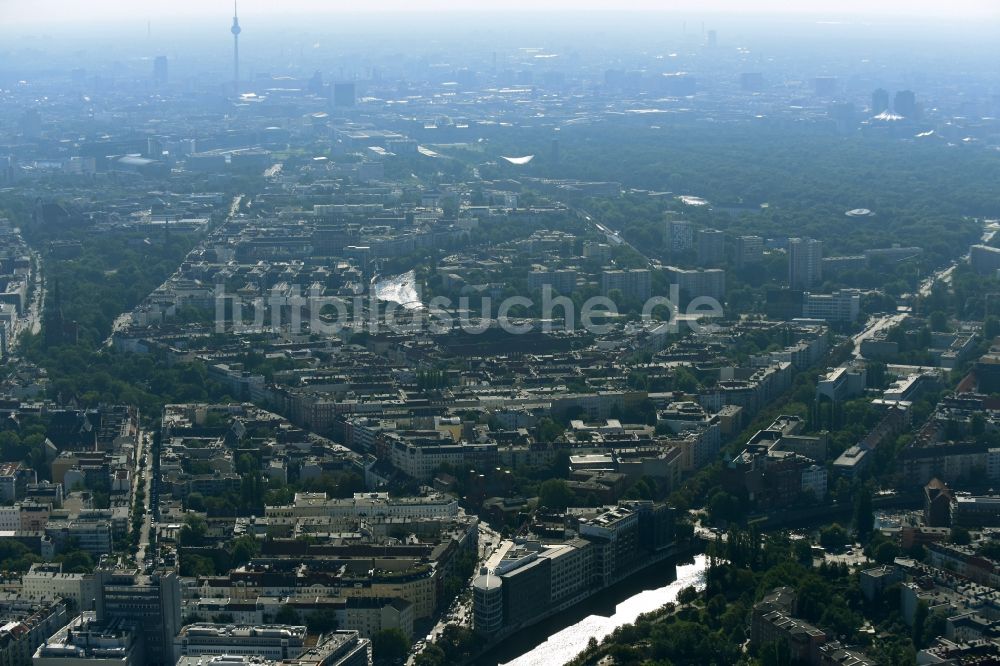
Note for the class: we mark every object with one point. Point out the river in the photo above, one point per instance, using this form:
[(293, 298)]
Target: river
[(401, 289), (552, 642)]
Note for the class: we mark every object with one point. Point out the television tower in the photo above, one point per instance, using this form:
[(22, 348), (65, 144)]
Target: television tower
[(236, 30)]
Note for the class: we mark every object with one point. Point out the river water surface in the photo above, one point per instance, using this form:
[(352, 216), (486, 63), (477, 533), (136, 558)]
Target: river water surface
[(401, 289)]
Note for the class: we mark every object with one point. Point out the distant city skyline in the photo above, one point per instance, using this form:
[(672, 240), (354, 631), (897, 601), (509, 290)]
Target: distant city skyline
[(57, 11)]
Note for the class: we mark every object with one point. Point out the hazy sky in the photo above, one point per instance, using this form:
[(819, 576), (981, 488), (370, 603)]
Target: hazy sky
[(83, 11)]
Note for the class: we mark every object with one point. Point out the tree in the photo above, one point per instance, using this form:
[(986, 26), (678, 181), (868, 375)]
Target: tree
[(458, 643), (76, 561), (687, 595), (977, 424), (390, 646), (886, 552), (287, 615), (196, 502), (321, 621), (245, 464), (990, 549), (555, 494), (864, 517), (431, 655), (548, 430), (684, 380), (194, 530), (15, 556), (939, 321), (875, 372), (833, 537), (196, 565), (724, 507), (716, 605), (453, 585), (991, 327), (776, 653), (813, 598), (10, 447), (803, 552), (243, 549), (960, 536), (919, 622)]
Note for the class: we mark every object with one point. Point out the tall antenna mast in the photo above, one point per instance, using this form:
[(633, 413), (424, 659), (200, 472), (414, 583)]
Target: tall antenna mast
[(236, 30)]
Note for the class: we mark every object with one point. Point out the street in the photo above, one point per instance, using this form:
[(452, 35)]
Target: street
[(876, 324), (460, 611), (31, 320), (615, 238), (944, 275), (145, 458)]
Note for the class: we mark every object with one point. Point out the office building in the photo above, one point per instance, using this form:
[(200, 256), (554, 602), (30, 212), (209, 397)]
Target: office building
[(842, 383), (693, 283), (984, 259), (833, 266), (150, 603), (526, 581), (749, 250), (711, 247), (825, 86), (160, 70), (843, 114), (598, 251), (562, 281), (14, 480), (813, 481), (419, 454), (271, 641), (772, 622), (88, 641), (370, 615), (880, 101), (678, 236), (311, 505), (48, 581), (338, 648), (751, 81), (25, 624), (487, 603), (344, 94), (975, 512), (90, 532), (905, 104), (634, 283), (678, 84), (805, 262), (843, 306)]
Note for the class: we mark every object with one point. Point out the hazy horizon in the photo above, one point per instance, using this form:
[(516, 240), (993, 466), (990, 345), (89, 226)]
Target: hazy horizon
[(59, 12), (888, 41)]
